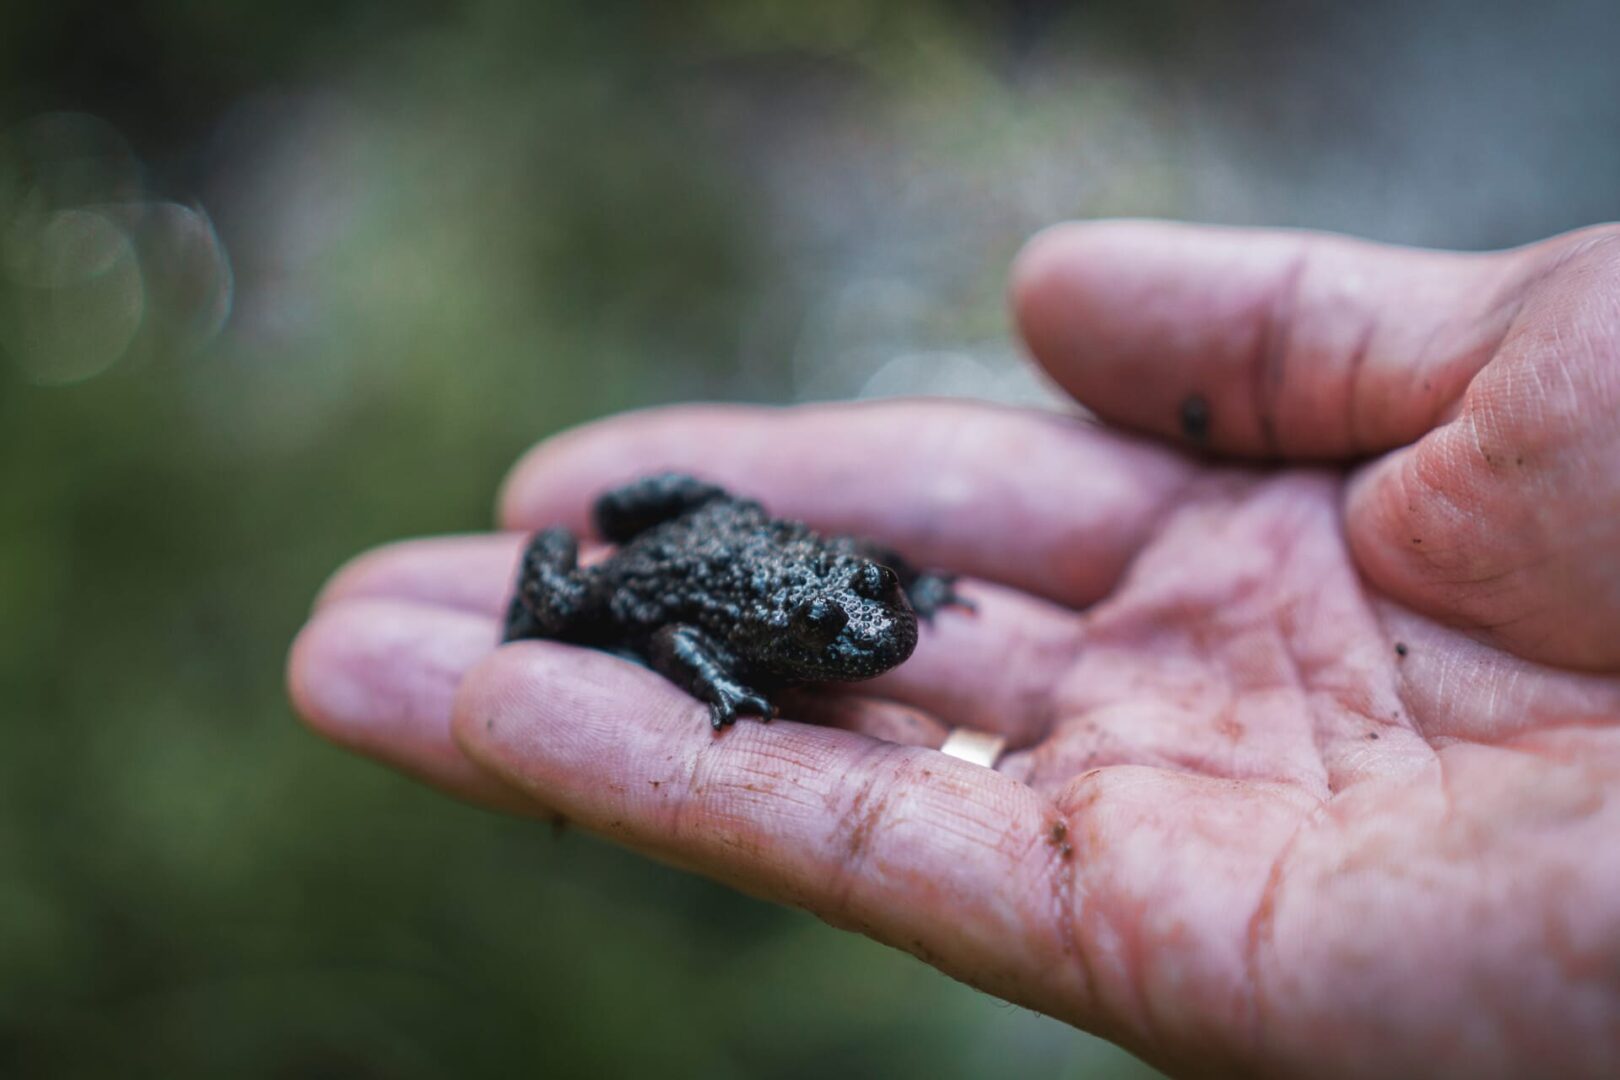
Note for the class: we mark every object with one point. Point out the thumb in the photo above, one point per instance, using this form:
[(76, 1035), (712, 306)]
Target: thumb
[(1507, 519), (1494, 379), (1260, 343)]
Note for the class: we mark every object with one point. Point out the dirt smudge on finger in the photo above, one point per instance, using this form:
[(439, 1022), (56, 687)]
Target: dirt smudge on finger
[(1194, 418)]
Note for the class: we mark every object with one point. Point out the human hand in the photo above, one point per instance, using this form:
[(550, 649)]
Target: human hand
[(1313, 768)]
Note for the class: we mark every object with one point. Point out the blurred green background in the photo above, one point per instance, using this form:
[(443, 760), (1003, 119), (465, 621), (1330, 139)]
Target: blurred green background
[(280, 282)]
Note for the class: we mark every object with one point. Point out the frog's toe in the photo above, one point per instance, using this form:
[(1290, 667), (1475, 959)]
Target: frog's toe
[(932, 592), (724, 712)]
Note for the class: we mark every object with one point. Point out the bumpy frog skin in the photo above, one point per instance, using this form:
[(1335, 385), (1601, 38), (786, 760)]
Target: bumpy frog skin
[(723, 600)]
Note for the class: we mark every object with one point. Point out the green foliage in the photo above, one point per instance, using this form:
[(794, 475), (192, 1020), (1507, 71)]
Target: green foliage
[(528, 233)]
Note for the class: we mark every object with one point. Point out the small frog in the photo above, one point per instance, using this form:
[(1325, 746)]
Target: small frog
[(725, 601)]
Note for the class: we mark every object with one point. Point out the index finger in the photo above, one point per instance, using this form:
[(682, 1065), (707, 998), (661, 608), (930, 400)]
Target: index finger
[(1124, 904), (948, 860), (1291, 344), (1043, 502)]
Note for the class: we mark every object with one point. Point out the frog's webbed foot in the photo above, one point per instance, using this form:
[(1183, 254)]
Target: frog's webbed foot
[(551, 591), (627, 511), (704, 668)]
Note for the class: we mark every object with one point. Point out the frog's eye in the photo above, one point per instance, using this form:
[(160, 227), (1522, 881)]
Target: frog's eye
[(874, 581), (816, 622)]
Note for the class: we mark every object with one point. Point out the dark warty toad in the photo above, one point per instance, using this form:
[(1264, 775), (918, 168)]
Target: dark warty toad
[(725, 601)]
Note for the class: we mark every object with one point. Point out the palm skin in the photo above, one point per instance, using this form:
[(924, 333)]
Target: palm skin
[(1314, 764)]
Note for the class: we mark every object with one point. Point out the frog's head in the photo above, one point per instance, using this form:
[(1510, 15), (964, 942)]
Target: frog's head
[(850, 621)]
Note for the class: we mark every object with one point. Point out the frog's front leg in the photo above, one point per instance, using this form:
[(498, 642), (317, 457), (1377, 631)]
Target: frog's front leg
[(552, 594), (706, 669)]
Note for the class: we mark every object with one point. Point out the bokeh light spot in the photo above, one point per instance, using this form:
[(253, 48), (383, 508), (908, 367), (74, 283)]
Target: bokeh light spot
[(77, 296)]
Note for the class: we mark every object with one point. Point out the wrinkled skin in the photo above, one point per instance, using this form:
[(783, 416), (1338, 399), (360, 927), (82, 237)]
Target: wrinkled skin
[(1238, 828)]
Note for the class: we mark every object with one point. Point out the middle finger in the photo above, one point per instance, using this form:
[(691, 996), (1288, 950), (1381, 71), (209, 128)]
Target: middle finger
[(991, 668), (1044, 503)]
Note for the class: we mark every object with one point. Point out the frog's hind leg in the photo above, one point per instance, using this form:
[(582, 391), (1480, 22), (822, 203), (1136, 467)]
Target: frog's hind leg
[(701, 666), (625, 512), (551, 589)]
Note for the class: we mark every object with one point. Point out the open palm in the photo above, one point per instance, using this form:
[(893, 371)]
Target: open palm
[(1311, 767)]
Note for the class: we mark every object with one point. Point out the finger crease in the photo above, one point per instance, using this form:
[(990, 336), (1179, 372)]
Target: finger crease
[(862, 819), (1268, 368), (1358, 362)]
